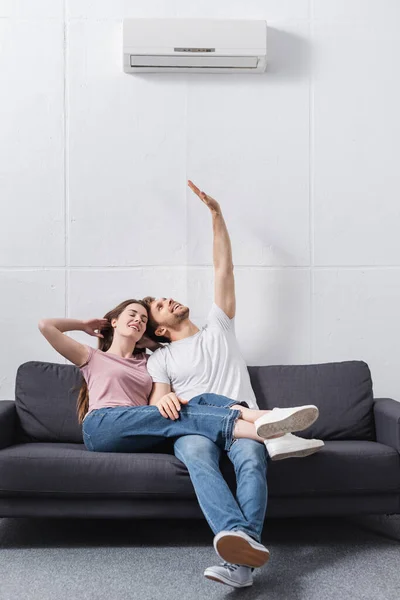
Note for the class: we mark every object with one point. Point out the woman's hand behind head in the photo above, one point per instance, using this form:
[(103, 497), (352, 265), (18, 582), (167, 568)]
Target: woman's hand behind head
[(91, 325)]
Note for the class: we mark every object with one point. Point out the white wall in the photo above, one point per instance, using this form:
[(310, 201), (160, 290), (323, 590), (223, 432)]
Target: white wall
[(303, 159)]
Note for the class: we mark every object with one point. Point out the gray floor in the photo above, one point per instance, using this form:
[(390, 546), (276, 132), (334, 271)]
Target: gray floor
[(127, 560)]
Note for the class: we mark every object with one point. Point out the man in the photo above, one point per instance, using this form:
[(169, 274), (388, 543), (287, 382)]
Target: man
[(194, 362)]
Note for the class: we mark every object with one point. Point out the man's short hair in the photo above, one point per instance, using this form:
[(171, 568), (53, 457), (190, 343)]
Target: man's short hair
[(152, 325)]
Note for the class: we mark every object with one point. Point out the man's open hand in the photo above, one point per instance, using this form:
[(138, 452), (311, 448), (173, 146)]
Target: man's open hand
[(208, 200), (170, 405)]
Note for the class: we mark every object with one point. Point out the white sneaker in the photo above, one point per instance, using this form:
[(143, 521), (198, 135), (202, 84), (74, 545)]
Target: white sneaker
[(237, 576), (285, 420), (236, 547), (291, 446)]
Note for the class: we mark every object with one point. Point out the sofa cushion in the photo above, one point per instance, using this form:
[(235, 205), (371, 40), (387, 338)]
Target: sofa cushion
[(62, 469), (45, 399), (69, 470), (342, 391)]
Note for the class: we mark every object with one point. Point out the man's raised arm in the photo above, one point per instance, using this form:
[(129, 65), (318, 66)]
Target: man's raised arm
[(224, 281)]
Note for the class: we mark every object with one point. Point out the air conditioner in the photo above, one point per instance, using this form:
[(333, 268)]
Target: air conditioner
[(194, 46)]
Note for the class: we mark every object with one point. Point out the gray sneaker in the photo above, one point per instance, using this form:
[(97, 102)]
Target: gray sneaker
[(236, 576)]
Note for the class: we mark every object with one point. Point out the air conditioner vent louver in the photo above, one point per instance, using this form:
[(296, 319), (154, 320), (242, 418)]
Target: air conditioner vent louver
[(194, 62)]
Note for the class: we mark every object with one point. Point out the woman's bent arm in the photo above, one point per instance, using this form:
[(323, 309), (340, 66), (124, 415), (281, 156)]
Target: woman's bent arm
[(53, 330)]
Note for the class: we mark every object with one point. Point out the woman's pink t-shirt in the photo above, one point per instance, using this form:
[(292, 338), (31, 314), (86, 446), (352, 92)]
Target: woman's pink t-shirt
[(116, 381)]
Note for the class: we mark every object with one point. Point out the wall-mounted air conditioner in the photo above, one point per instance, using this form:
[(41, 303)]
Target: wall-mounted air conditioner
[(194, 46)]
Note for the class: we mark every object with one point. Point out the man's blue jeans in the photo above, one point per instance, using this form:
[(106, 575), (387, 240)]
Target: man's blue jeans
[(223, 511)]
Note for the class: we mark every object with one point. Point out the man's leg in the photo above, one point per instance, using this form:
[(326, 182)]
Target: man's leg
[(249, 459), (201, 457)]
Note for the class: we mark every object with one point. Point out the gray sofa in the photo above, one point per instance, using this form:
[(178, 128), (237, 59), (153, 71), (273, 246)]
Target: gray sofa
[(46, 471)]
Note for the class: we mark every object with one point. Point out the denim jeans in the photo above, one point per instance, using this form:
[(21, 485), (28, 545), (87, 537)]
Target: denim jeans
[(204, 429), (141, 428), (224, 511)]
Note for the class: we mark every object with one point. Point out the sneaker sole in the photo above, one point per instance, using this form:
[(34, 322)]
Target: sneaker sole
[(296, 454), (227, 582), (237, 550), (295, 422)]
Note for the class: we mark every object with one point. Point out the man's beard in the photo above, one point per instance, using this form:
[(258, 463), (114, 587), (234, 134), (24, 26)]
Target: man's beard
[(182, 315)]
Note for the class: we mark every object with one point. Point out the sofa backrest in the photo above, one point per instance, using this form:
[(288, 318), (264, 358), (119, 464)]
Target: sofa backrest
[(46, 396), (341, 390)]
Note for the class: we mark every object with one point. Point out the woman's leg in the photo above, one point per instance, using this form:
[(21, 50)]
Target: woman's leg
[(138, 428), (247, 414), (270, 423), (250, 416), (107, 430), (245, 430)]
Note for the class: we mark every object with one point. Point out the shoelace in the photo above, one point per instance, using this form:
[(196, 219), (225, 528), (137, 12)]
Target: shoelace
[(231, 567)]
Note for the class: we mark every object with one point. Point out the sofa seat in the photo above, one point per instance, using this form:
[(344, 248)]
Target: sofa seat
[(69, 470), (340, 467)]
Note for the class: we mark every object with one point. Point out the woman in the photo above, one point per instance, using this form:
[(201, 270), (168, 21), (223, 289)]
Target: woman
[(113, 404)]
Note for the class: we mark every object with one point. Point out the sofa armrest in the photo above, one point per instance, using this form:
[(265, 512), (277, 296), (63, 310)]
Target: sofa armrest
[(8, 421), (387, 422)]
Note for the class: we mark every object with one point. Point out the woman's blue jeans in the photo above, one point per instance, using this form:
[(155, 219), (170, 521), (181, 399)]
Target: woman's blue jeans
[(141, 428), (204, 429)]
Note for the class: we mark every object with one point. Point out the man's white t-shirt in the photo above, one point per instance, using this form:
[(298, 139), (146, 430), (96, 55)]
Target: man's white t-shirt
[(208, 361)]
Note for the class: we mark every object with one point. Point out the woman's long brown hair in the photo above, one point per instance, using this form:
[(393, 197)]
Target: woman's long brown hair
[(104, 344)]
